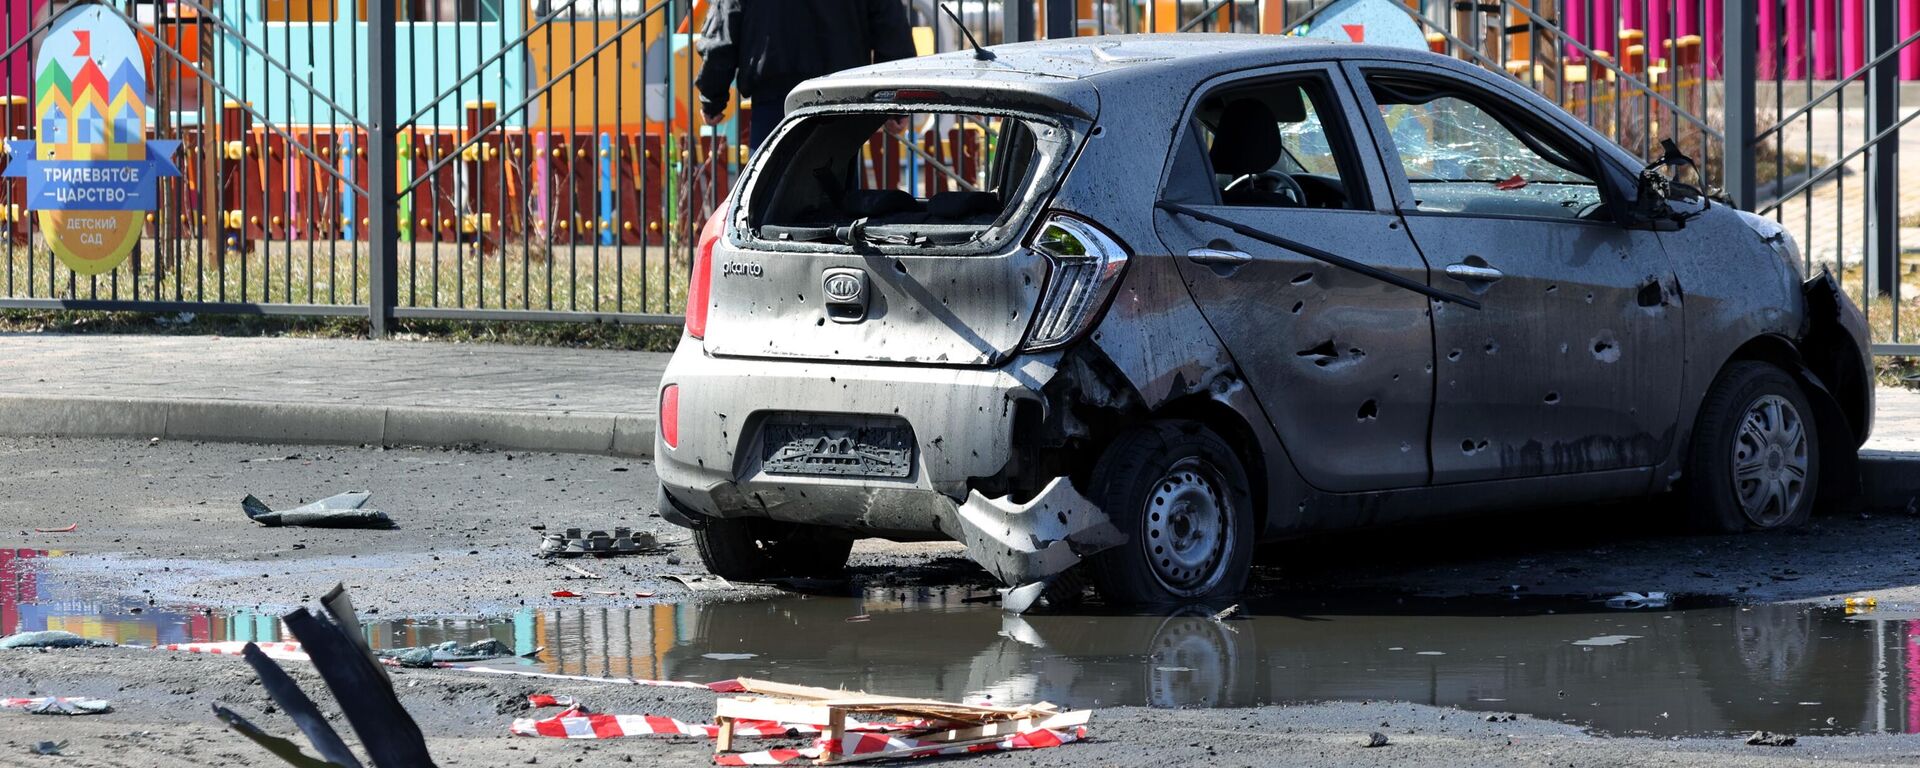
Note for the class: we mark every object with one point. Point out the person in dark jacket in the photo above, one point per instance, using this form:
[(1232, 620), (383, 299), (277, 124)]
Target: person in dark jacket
[(770, 46)]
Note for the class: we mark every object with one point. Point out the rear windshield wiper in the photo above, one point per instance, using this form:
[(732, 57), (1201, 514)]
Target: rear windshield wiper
[(859, 233)]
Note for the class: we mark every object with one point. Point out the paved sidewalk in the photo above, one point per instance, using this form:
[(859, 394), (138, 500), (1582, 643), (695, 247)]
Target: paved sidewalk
[(329, 391), (406, 393)]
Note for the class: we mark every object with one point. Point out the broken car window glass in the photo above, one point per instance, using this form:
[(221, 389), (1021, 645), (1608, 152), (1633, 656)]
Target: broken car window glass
[(1460, 158), (835, 178)]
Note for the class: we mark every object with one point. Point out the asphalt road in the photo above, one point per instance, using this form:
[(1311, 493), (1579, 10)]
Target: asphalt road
[(160, 524)]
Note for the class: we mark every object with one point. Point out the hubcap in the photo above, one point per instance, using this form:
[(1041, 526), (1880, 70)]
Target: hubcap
[(1770, 461), (1187, 530)]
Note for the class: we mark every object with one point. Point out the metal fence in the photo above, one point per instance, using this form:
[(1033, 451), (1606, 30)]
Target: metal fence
[(543, 160)]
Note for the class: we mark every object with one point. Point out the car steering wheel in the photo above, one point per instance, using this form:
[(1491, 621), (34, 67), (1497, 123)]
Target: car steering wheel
[(1272, 181)]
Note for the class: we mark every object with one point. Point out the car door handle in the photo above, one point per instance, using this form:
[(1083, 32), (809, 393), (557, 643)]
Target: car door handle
[(1218, 256), (1468, 273)]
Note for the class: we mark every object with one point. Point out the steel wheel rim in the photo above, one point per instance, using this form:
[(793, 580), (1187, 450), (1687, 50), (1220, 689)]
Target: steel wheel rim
[(1770, 461), (1188, 530)]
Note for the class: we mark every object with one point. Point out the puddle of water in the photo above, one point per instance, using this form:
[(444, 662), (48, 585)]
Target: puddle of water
[(1685, 669)]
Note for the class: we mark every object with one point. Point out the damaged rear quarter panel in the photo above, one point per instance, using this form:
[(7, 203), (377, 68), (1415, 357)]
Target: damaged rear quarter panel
[(1152, 332)]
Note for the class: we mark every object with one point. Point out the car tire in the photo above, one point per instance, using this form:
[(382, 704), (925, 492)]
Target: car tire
[(1181, 496), (750, 550), (1754, 464)]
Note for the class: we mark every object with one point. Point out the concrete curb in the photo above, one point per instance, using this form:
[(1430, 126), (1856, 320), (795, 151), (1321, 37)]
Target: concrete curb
[(1889, 479), (329, 423)]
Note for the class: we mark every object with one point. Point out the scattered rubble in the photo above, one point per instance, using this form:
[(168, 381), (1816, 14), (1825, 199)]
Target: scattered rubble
[(1637, 600), (51, 638), (426, 655), (337, 511), (1770, 739), (1375, 739)]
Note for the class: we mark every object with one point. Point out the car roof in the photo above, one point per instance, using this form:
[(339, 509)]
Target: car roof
[(1107, 56), (1071, 71)]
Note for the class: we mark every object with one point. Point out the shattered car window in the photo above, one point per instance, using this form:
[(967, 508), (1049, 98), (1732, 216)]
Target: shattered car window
[(838, 179), (1459, 158)]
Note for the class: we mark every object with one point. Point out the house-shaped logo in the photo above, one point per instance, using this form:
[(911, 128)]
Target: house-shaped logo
[(91, 175)]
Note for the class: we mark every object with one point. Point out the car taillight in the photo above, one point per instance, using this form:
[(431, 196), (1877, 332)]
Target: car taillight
[(670, 415), (699, 289), (1086, 267)]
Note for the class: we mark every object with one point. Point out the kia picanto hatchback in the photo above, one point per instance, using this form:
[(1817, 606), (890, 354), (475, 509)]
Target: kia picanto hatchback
[(1167, 297)]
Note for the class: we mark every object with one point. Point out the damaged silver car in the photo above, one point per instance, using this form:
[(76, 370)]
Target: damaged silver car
[(1193, 293)]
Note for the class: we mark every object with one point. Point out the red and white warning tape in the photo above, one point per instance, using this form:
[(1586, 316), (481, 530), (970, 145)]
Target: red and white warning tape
[(867, 739), (31, 703), (278, 651), (577, 723), (891, 747)]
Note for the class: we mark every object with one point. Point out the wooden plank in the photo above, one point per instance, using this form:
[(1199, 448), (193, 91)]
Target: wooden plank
[(863, 701), (773, 710), (1005, 728)]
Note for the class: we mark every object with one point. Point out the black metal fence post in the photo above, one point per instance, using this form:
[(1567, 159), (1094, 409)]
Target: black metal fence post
[(1737, 75), (1883, 108), (383, 234), (1063, 18), (1023, 19)]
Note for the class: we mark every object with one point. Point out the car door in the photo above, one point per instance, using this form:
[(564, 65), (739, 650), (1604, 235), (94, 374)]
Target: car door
[(1340, 361), (1573, 363)]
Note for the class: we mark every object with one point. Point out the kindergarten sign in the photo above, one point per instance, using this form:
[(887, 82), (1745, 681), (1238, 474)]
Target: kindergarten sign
[(91, 175)]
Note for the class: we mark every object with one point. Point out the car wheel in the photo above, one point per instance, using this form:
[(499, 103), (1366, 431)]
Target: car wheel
[(1755, 461), (1181, 497), (746, 550)]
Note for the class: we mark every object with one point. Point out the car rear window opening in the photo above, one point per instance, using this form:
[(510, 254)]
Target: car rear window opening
[(850, 180)]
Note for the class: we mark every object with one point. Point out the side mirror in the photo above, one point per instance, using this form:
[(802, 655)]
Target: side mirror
[(1656, 188)]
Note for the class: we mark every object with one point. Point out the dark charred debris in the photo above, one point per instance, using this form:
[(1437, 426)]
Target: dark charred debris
[(345, 510)]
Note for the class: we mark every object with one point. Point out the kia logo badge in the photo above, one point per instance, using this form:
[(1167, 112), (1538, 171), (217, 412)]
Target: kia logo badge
[(844, 287), (846, 292)]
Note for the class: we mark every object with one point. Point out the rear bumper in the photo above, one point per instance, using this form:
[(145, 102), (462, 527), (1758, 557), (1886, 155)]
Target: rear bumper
[(962, 423)]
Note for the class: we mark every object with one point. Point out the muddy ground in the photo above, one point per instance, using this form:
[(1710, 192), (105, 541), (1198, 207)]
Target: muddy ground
[(160, 523)]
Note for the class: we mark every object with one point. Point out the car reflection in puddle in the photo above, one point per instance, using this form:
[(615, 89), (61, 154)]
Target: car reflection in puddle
[(1686, 669)]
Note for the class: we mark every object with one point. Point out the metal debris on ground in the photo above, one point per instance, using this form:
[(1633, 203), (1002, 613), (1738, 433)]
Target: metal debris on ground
[(58, 705), (51, 638), (337, 511), (1770, 739), (700, 583), (1375, 739), (359, 684), (623, 541), (49, 747), (1229, 612), (1637, 600), (423, 656), (68, 529)]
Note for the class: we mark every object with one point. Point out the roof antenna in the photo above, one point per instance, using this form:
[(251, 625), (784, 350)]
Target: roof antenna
[(979, 53)]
